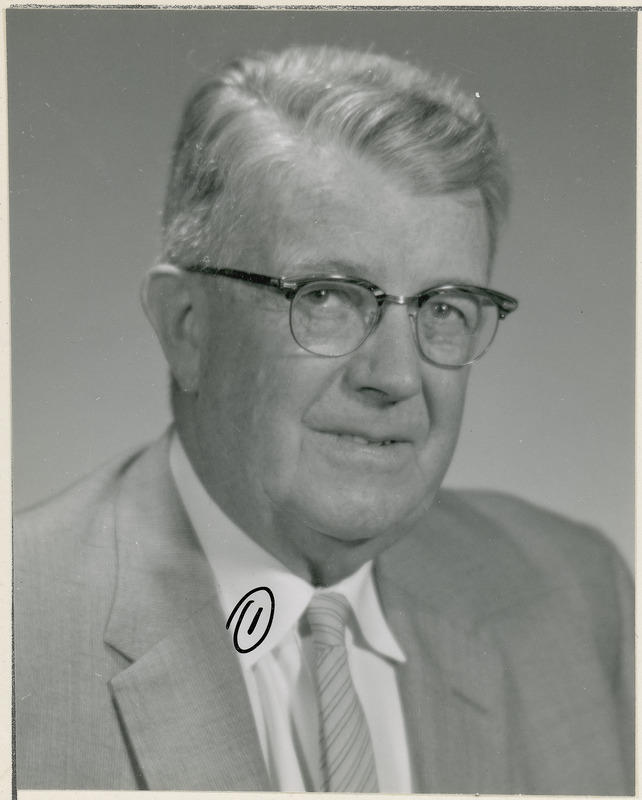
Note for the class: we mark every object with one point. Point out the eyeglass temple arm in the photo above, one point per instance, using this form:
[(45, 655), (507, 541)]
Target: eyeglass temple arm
[(279, 284), (250, 277), (504, 302)]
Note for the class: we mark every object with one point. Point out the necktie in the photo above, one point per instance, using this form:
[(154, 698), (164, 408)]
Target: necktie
[(347, 759)]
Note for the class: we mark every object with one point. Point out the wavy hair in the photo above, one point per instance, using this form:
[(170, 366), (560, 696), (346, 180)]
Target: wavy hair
[(259, 112)]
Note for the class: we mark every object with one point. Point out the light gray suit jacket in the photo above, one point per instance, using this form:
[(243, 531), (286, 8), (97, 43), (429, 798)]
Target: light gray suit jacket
[(517, 625)]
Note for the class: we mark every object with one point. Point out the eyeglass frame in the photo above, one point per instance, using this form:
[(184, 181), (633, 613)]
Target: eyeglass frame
[(289, 287)]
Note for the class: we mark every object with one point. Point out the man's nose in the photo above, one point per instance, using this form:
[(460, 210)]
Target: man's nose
[(388, 363)]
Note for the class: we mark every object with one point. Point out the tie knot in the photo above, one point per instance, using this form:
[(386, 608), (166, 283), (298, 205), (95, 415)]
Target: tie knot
[(327, 614)]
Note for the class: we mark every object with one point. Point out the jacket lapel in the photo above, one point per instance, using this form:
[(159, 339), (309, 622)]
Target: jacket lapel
[(452, 683), (449, 687), (182, 703)]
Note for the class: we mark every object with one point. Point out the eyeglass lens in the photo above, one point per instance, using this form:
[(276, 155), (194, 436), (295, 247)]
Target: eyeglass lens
[(331, 318)]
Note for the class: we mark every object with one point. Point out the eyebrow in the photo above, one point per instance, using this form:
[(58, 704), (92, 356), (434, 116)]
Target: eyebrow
[(351, 269), (348, 269)]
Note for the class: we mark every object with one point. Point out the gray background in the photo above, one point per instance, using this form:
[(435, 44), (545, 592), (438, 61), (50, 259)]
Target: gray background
[(94, 102)]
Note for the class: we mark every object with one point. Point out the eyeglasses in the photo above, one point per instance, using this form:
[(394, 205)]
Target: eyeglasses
[(332, 315)]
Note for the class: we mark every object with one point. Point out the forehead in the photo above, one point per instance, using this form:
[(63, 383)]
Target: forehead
[(331, 211)]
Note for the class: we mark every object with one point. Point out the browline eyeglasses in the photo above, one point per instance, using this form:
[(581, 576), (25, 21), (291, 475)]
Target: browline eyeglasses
[(454, 324)]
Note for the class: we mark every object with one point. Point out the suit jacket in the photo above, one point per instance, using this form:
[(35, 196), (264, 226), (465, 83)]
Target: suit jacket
[(517, 626)]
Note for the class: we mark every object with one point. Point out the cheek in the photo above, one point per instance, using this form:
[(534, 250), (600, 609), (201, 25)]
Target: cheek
[(243, 349), (445, 400), (258, 398)]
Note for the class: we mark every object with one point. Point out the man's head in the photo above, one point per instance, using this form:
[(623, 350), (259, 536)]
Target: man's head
[(320, 162)]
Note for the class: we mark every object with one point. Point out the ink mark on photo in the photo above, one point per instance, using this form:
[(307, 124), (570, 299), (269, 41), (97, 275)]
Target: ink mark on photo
[(249, 635)]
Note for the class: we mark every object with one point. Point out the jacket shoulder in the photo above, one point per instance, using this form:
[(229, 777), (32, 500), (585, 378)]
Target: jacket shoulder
[(546, 539), (74, 503), (555, 599), (503, 555), (64, 549)]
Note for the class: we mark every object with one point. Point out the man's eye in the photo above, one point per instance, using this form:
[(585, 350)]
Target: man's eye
[(445, 311), (318, 296), (328, 298)]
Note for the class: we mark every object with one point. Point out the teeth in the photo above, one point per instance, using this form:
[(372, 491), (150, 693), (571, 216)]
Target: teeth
[(363, 440)]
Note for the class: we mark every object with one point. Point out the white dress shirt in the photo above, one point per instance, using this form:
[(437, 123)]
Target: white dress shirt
[(278, 672)]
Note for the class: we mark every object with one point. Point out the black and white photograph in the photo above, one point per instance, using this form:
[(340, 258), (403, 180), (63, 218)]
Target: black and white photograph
[(272, 530)]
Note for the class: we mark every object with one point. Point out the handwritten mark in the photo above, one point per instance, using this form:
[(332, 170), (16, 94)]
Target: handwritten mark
[(252, 636)]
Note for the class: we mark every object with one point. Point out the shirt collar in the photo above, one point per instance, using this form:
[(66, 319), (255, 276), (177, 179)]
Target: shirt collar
[(240, 565)]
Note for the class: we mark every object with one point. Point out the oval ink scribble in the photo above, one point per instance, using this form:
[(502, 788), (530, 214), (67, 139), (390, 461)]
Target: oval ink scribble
[(254, 619)]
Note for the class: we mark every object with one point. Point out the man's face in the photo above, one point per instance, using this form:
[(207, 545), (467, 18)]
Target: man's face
[(327, 461)]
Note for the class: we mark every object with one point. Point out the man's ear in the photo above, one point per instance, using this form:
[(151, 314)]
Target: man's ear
[(168, 304)]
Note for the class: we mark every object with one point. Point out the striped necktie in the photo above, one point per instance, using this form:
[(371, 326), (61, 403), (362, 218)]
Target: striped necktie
[(347, 759)]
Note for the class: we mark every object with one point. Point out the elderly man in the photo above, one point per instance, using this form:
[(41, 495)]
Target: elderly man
[(277, 595)]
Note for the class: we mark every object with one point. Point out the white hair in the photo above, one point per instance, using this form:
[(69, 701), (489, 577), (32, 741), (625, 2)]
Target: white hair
[(259, 111)]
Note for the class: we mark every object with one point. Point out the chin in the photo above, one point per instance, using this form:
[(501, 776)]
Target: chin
[(359, 521)]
